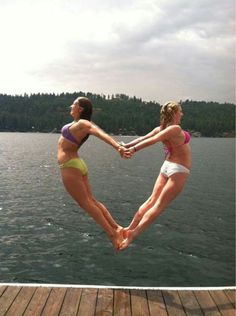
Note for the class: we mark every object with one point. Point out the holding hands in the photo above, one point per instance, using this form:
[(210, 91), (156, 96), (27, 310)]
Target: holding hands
[(125, 151)]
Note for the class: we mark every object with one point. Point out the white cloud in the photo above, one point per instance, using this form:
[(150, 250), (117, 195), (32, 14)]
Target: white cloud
[(152, 49)]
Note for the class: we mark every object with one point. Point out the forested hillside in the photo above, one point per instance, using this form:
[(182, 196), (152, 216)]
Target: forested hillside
[(116, 114)]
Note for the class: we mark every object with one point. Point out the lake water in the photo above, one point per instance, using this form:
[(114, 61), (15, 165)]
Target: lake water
[(46, 238)]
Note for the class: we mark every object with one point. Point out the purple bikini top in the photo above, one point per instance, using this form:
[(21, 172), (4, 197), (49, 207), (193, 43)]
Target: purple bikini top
[(65, 132), (168, 150)]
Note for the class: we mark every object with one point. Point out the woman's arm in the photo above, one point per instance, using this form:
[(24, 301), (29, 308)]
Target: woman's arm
[(95, 130), (140, 139), (164, 135), (98, 132)]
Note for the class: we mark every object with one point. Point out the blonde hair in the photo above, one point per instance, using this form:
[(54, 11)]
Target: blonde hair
[(168, 110)]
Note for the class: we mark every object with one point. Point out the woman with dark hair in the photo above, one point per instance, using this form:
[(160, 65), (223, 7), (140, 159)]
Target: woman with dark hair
[(174, 171), (74, 171)]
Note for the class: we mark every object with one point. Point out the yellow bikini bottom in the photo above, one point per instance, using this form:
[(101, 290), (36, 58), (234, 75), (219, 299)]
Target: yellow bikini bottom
[(76, 163)]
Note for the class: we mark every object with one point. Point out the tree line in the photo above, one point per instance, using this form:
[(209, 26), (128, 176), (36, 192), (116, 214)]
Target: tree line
[(116, 114)]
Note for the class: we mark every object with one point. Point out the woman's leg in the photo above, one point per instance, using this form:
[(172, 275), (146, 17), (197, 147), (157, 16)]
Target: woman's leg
[(159, 185), (75, 184), (172, 188), (102, 207)]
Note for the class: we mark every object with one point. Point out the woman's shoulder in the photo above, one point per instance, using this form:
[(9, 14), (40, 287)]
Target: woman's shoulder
[(157, 129), (174, 129), (83, 124)]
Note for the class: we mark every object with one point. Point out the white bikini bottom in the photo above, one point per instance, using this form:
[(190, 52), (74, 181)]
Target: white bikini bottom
[(169, 168)]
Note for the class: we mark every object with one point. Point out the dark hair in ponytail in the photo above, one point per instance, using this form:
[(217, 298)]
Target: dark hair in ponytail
[(87, 112), (86, 104)]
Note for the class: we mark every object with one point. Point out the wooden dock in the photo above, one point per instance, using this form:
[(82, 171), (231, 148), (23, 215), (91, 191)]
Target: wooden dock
[(34, 300)]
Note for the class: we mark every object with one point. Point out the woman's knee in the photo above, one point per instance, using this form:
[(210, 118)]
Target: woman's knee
[(151, 214), (144, 208), (85, 203), (151, 201), (159, 206), (165, 199)]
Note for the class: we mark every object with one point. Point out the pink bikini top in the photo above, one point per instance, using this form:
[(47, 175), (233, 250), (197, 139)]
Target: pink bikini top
[(187, 137), (168, 150)]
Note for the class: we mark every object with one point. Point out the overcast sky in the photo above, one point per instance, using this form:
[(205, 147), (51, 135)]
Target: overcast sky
[(157, 50)]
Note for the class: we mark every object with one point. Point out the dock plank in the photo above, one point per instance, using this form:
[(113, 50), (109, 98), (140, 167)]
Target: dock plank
[(88, 296), (8, 298), (38, 301), (104, 305), (190, 303), (54, 302), (156, 303), (231, 296), (122, 304), (173, 303), (21, 301), (206, 303), (224, 305), (2, 289), (71, 302), (68, 301), (139, 305)]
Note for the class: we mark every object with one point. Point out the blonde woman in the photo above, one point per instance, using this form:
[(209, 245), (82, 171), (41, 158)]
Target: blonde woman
[(174, 171), (74, 171)]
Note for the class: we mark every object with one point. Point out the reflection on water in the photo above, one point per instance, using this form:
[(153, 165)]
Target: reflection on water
[(45, 237)]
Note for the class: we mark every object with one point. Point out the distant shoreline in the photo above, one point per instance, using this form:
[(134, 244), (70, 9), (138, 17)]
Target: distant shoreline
[(193, 135)]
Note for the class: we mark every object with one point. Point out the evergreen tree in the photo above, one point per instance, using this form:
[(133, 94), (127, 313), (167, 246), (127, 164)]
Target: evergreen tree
[(117, 114)]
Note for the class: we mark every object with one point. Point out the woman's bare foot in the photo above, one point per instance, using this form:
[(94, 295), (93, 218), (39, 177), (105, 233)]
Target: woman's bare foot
[(125, 232), (127, 241), (117, 238), (120, 236)]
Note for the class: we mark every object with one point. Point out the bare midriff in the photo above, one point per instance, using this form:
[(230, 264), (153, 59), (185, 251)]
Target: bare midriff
[(66, 150), (181, 155)]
